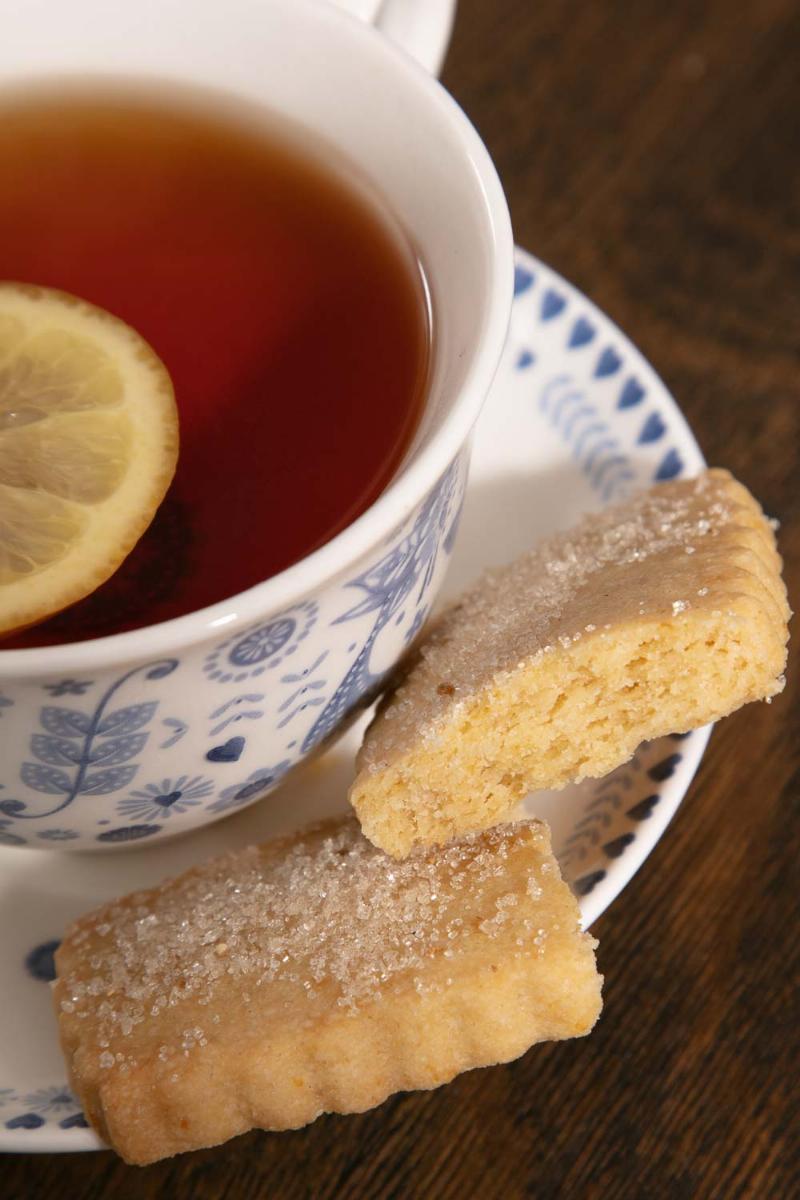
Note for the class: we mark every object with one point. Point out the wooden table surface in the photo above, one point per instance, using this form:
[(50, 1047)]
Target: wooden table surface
[(651, 154)]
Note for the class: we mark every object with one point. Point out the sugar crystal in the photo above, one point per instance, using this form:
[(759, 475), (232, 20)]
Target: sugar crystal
[(326, 910), (518, 613)]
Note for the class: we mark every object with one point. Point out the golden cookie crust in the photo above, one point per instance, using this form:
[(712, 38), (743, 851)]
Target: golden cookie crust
[(653, 617), (314, 974)]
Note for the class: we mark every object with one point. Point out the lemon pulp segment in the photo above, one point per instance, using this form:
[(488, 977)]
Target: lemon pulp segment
[(88, 447)]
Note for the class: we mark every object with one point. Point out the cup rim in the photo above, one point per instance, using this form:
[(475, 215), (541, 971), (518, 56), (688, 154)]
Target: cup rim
[(401, 495)]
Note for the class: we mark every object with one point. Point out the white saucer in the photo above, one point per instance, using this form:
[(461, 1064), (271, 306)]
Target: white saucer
[(576, 418)]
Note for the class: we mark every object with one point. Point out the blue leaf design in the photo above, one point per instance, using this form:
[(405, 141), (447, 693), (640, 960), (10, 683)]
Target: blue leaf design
[(162, 669), (643, 808), (552, 304), (100, 783), (632, 394), (128, 833), (27, 1120), (608, 363), (244, 698), (118, 749), (64, 722), (179, 728), (588, 882), (652, 430), (671, 465), (45, 779), (126, 720), (523, 279), (582, 333), (11, 808), (75, 1121), (39, 961), (662, 770), (618, 845), (57, 751)]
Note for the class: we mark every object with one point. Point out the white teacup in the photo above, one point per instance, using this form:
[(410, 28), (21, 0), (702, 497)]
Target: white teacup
[(151, 733)]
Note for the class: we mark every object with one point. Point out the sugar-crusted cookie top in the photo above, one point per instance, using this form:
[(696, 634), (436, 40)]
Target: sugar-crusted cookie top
[(640, 558), (323, 910)]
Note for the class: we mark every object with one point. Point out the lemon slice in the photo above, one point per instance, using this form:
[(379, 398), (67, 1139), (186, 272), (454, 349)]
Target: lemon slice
[(88, 446)]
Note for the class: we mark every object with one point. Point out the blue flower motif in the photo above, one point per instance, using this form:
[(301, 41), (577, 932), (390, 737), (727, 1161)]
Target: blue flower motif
[(69, 687), (54, 1099), (58, 835), (262, 647), (159, 800), (257, 783), (5, 702), (262, 643)]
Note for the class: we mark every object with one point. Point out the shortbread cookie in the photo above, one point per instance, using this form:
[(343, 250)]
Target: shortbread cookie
[(653, 617), (314, 974)]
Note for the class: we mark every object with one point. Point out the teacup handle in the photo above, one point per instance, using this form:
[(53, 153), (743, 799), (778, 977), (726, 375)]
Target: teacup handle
[(421, 27)]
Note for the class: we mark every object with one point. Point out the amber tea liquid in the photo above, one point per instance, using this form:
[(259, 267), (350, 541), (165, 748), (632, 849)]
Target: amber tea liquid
[(284, 301)]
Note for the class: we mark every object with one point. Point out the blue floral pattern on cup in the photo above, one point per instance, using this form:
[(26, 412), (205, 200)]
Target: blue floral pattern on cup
[(401, 579), (258, 783), (262, 647), (142, 753), (167, 798), (85, 753)]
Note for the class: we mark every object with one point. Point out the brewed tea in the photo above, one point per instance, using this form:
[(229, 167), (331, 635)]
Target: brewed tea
[(285, 302)]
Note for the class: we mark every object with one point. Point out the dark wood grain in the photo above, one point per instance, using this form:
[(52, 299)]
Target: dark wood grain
[(651, 153)]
